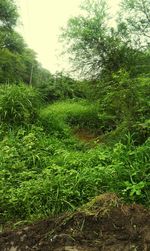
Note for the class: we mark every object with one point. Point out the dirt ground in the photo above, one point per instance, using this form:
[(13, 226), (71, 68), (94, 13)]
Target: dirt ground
[(86, 136), (104, 224)]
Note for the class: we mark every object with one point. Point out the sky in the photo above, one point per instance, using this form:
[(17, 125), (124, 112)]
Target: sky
[(40, 23)]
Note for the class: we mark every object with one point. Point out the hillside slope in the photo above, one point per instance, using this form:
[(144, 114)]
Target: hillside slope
[(102, 224)]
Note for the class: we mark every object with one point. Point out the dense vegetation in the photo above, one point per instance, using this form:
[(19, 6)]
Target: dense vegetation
[(45, 168)]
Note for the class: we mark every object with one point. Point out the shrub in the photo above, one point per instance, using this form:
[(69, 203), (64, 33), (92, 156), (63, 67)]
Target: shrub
[(60, 87), (18, 104)]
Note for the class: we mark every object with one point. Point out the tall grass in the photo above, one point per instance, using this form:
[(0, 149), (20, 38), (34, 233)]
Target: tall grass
[(62, 115), (18, 104)]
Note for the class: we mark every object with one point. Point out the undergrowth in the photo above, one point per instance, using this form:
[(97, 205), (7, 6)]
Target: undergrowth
[(19, 104), (45, 170), (43, 175)]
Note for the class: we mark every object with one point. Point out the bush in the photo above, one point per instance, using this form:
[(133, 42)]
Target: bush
[(18, 104), (60, 87)]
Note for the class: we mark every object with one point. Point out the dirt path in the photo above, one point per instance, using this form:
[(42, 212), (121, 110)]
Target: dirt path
[(102, 225)]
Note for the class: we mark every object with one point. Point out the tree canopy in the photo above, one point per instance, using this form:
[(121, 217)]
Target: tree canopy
[(17, 61), (8, 14), (135, 20), (95, 47)]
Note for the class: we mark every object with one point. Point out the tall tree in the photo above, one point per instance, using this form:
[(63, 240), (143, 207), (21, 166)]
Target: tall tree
[(11, 40), (17, 61), (96, 48), (8, 14), (134, 21)]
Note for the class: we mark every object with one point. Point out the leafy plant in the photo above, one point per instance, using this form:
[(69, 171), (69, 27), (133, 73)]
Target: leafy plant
[(135, 190)]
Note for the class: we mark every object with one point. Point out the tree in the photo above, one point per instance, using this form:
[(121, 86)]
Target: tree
[(11, 67), (135, 22), (17, 61), (12, 40), (94, 46), (8, 14), (134, 29)]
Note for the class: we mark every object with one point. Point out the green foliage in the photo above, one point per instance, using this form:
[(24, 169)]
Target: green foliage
[(135, 21), (41, 175), (123, 106), (8, 13), (59, 116), (11, 67), (133, 171), (18, 104), (12, 41), (60, 87), (95, 48), (17, 61), (44, 169), (44, 174)]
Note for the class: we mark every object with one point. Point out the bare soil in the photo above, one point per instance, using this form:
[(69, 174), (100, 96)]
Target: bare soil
[(104, 224), (86, 136)]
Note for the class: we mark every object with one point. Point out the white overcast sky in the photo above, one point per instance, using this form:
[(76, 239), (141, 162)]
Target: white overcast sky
[(40, 22)]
